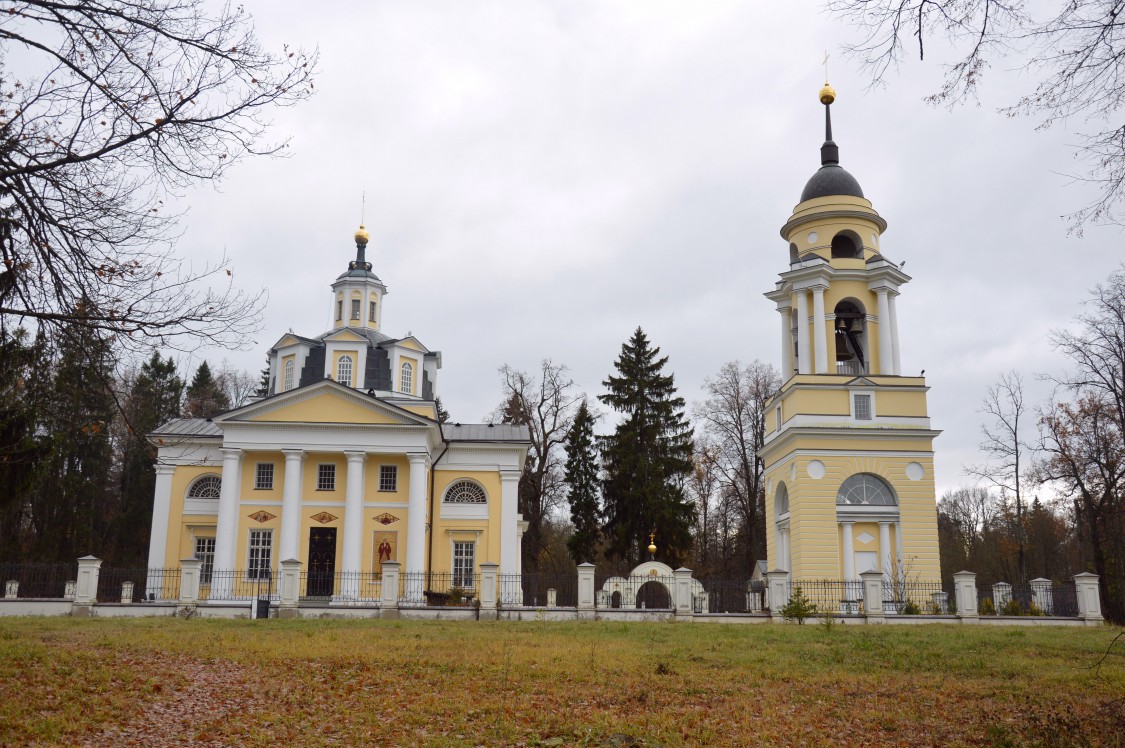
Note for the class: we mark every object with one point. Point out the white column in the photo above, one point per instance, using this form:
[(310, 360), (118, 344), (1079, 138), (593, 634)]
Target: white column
[(416, 527), (886, 352), (785, 557), (353, 525), (849, 552), (885, 548), (803, 363), (226, 531), (290, 544), (509, 499), (786, 344), (820, 340), (897, 363), (161, 507)]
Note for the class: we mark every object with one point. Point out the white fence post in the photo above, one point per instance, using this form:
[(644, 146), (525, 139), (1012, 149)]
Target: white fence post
[(389, 599), (1089, 599), (86, 591), (126, 591), (552, 598), (873, 596), (11, 589), (1001, 596), (682, 600), (965, 594), (585, 587), (777, 582), (1041, 595), (289, 591), (488, 602), (190, 569)]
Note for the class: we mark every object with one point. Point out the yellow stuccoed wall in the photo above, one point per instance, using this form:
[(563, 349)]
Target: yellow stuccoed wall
[(488, 543), (178, 540), (326, 408)]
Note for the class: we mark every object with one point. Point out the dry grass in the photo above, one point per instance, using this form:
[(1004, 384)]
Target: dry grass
[(172, 682)]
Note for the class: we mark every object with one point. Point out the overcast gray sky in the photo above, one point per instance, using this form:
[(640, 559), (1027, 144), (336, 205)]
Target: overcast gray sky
[(542, 177)]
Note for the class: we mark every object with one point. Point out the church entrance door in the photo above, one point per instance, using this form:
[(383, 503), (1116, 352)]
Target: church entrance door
[(322, 562)]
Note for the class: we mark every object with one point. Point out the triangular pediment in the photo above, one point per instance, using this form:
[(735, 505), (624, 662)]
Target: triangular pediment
[(324, 402), (346, 334), (412, 343), (862, 382), (291, 338)]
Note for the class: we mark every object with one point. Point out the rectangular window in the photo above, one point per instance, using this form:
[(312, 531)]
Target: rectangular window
[(464, 559), (326, 478), (263, 481), (260, 554), (388, 477), (205, 552), (339, 309), (777, 419), (371, 312), (863, 407), (355, 308)]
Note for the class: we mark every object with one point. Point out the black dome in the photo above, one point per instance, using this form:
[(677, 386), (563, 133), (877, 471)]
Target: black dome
[(831, 179)]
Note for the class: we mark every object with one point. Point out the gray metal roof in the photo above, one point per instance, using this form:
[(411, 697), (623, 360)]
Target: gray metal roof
[(188, 427), (485, 432)]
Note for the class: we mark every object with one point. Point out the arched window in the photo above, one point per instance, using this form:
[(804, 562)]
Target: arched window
[(406, 383), (864, 489), (465, 492), (846, 245), (344, 370), (206, 487), (781, 500), (793, 253), (287, 382)]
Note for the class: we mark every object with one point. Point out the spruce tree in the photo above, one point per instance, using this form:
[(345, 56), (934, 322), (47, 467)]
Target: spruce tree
[(153, 399), (205, 397), (581, 478), (647, 459), (264, 381), (442, 413)]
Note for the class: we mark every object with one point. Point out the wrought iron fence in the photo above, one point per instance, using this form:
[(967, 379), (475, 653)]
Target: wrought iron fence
[(240, 585), (538, 590), (342, 586), (649, 592), (732, 596), (438, 588), (912, 596), (1036, 599), (37, 580), (831, 595), (138, 585)]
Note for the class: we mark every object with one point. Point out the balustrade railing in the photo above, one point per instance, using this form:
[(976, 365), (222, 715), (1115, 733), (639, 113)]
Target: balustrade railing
[(341, 586), (438, 588), (831, 595), (239, 585)]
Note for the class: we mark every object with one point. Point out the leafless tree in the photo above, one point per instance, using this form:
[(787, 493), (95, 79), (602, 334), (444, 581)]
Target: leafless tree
[(1074, 48), (546, 403), (702, 487), (1007, 452), (107, 108), (733, 417), (237, 384)]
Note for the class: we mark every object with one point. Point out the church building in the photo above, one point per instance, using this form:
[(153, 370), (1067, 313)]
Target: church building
[(343, 466), (848, 452)]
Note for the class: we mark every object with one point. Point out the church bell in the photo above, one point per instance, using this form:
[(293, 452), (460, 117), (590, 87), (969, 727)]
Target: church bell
[(842, 352)]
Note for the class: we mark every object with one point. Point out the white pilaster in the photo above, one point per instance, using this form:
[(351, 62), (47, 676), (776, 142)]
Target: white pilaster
[(886, 336), (885, 548), (226, 531), (784, 559), (353, 524), (416, 527), (849, 551), (161, 508), (786, 344), (896, 362), (509, 500), (804, 364), (820, 339), (291, 504)]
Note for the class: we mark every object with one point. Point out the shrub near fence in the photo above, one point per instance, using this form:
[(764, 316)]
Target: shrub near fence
[(907, 596), (830, 595)]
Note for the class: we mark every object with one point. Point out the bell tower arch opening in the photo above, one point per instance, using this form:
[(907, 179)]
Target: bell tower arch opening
[(847, 245), (851, 338)]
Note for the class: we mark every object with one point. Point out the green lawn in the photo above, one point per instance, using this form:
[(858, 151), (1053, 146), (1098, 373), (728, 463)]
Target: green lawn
[(175, 682)]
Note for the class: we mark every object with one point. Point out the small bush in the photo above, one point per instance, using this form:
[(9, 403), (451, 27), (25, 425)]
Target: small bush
[(1012, 608), (911, 609), (799, 607), (1034, 610), (987, 608)]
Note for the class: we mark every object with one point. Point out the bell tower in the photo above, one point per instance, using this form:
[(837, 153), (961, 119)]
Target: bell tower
[(849, 450), (357, 294)]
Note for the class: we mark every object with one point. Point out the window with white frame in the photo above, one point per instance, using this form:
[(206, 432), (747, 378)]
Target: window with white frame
[(287, 381), (325, 477), (260, 554), (263, 478), (344, 370), (406, 383), (465, 492), (205, 552), (464, 561), (862, 407), (371, 312), (388, 477), (207, 487), (355, 308)]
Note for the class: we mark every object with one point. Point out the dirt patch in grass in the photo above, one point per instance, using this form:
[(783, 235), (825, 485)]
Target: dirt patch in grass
[(172, 682)]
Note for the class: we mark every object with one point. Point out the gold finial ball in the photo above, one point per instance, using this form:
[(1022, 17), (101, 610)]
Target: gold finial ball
[(651, 547), (361, 236), (827, 94)]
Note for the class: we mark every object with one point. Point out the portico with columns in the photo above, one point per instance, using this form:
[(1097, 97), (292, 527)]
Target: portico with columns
[(848, 450), (343, 467)]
